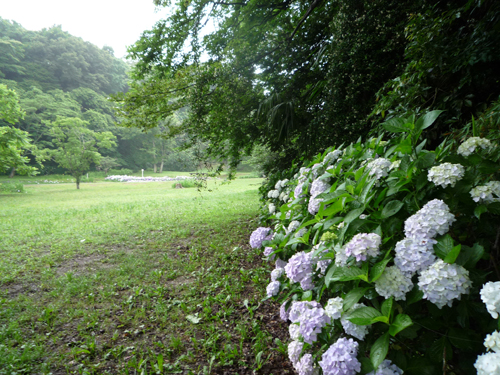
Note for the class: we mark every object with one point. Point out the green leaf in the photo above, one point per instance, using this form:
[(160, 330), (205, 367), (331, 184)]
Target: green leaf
[(444, 246), (494, 208), (469, 256), (366, 190), (488, 167), (405, 146), (480, 210), (396, 125), (426, 160), (453, 254), (354, 214), (401, 322), (378, 269), (366, 365), (391, 208), (427, 120), (364, 316), (307, 296), (379, 350), (387, 307), (353, 297), (414, 296)]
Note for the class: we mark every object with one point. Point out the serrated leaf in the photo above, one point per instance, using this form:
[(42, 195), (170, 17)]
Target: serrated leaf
[(387, 307), (353, 297), (453, 254), (401, 322), (391, 208), (379, 350), (378, 269)]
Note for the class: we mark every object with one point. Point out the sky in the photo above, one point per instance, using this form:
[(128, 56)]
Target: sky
[(114, 23)]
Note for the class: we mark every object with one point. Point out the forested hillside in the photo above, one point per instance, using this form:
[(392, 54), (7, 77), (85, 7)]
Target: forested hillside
[(58, 75)]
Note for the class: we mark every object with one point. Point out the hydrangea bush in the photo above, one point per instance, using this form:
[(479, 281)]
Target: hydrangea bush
[(387, 256)]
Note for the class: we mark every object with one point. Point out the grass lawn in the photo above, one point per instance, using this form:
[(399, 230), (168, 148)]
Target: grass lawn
[(135, 278)]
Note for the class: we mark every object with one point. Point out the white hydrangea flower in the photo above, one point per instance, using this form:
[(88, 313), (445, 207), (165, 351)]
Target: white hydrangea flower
[(273, 288), (470, 145), (277, 273), (379, 167), (305, 366), (319, 186), (363, 245), (341, 257), (387, 368), (492, 342), (393, 283), (442, 283), (313, 206), (292, 227), (281, 184), (490, 295), (272, 208), (294, 330), (485, 193), (273, 194), (414, 255), (433, 219), (488, 364), (353, 329), (334, 307), (294, 350), (446, 174), (331, 157), (395, 165)]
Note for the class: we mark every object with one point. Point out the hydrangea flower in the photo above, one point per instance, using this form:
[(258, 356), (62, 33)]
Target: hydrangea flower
[(313, 206), (312, 320), (393, 283), (379, 168), (272, 208), (281, 184), (341, 257), (294, 330), (470, 145), (273, 194), (446, 174), (267, 252), (298, 192), (332, 157), (305, 366), (485, 193), (492, 342), (488, 364), (334, 307), (319, 186), (490, 295), (258, 235), (395, 165), (294, 350), (280, 263), (433, 219), (353, 329), (340, 358), (292, 227), (273, 288), (277, 273), (443, 282), (299, 266), (284, 311), (307, 282), (298, 308), (387, 368), (284, 195), (414, 255), (363, 245)]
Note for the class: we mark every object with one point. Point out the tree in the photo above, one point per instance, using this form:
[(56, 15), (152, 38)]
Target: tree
[(106, 164), (13, 142), (77, 146)]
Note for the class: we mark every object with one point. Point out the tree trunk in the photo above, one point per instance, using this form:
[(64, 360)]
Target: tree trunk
[(12, 172), (154, 167), (161, 166), (78, 182)]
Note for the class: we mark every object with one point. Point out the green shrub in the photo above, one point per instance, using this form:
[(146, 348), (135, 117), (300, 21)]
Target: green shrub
[(185, 183), (120, 172), (12, 187), (389, 243)]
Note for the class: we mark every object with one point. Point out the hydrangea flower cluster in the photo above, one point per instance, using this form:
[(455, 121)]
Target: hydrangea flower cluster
[(353, 329), (485, 193), (443, 282), (311, 318), (340, 358), (470, 145), (258, 235), (294, 350), (267, 252), (393, 283), (306, 365), (299, 267), (446, 174), (273, 194), (433, 219), (363, 245), (319, 186), (334, 307), (272, 208), (488, 364), (281, 184), (313, 205), (331, 157), (387, 368), (414, 255), (277, 273), (379, 168), (490, 295), (284, 312), (273, 288), (492, 342), (293, 226)]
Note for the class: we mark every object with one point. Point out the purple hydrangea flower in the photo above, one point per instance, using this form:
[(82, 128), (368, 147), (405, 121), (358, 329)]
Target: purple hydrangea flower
[(363, 245), (284, 312), (414, 255), (260, 234), (387, 368), (299, 266), (433, 219), (305, 365), (340, 358), (273, 288)]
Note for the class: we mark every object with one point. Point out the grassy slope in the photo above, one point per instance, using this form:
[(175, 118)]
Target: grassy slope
[(101, 280)]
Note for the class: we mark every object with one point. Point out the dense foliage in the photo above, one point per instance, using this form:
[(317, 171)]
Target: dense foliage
[(381, 251)]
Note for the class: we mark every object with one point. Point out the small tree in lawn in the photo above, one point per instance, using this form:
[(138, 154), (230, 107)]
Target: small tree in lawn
[(106, 164), (77, 145)]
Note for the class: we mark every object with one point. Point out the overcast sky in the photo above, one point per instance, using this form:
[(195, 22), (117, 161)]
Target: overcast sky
[(115, 23)]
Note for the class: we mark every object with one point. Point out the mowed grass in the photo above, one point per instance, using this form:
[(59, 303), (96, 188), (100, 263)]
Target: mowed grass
[(135, 278)]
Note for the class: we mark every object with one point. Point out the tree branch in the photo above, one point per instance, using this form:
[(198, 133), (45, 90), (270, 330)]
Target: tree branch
[(308, 13)]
